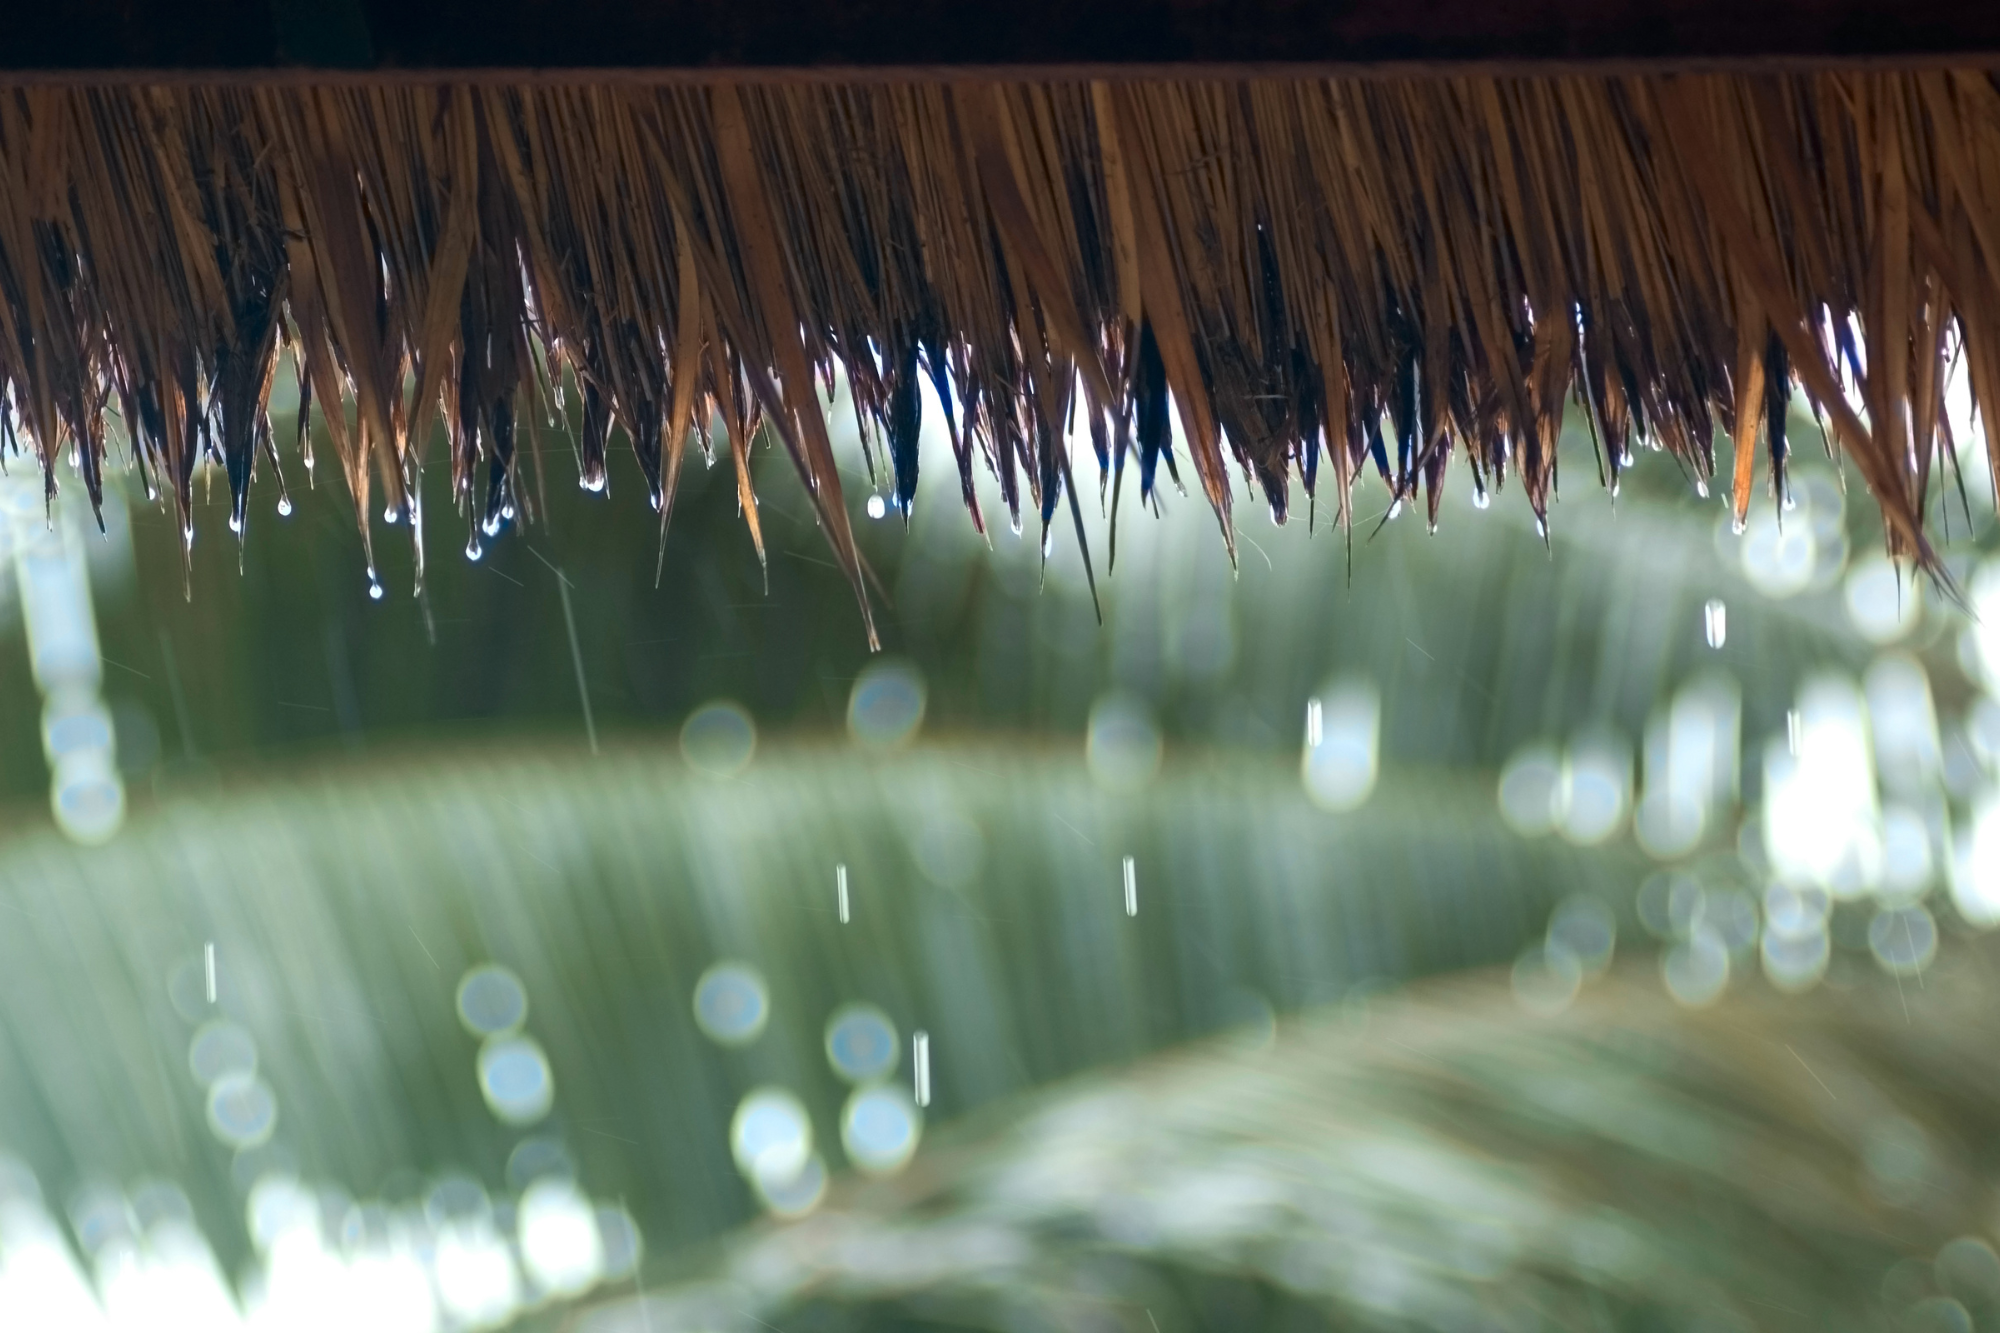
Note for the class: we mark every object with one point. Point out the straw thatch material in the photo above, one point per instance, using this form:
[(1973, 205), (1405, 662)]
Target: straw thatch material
[(1284, 261)]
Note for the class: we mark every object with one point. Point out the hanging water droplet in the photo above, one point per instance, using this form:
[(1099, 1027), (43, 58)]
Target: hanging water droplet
[(656, 499), (473, 550), (284, 506), (1625, 459), (876, 508), (375, 592), (1737, 524), (235, 523), (491, 526), (1048, 544), (390, 515), (1395, 508), (1701, 488), (507, 511), (1480, 499), (1015, 524), (1790, 502), (1715, 622), (1541, 527), (592, 482)]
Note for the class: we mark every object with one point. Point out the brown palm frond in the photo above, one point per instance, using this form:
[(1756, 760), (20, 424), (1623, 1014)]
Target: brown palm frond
[(1383, 273)]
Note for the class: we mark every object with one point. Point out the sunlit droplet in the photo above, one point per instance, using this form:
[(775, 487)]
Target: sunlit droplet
[(1342, 754), (473, 550), (876, 508), (284, 506), (1715, 622)]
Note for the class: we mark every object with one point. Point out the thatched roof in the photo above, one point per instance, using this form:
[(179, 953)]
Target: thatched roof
[(1324, 278)]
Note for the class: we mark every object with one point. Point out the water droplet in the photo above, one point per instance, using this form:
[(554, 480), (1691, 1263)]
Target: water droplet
[(1541, 527), (1790, 502), (390, 515), (375, 592), (284, 506), (1625, 459), (1048, 544), (876, 508), (592, 482), (236, 524), (1015, 524), (1480, 499), (1715, 622), (507, 512), (1701, 488), (473, 550), (1739, 525), (1394, 509)]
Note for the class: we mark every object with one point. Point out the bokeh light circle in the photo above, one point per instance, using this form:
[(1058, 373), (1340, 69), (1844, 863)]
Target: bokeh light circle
[(491, 1000), (732, 1003), (515, 1079), (770, 1135), (794, 1194), (1696, 970), (719, 739), (1530, 786), (862, 1043), (1585, 929), (1883, 601), (1795, 960), (1903, 939), (880, 1128), (886, 706), (1124, 746), (1546, 978), (242, 1110), (219, 1049)]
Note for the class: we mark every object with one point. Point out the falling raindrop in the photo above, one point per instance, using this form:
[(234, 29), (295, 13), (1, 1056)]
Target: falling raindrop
[(840, 891), (920, 1057), (1131, 887), (1315, 722), (1793, 728), (208, 968), (1715, 622), (876, 508)]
